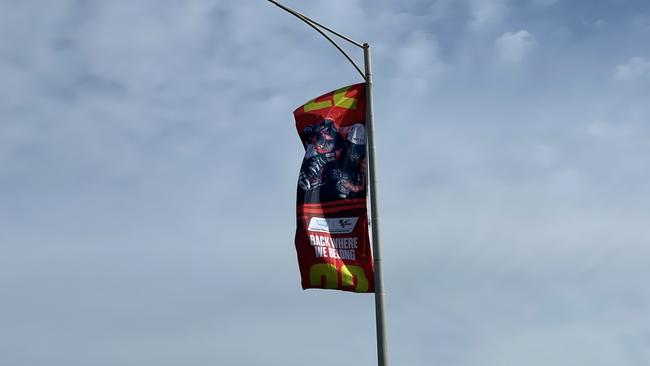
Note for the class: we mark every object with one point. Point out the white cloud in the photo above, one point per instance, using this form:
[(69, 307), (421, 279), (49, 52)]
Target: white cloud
[(487, 12), (635, 68), (514, 47), (418, 62)]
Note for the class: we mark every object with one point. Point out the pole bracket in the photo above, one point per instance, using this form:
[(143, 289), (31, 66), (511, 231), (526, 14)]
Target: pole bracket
[(322, 29)]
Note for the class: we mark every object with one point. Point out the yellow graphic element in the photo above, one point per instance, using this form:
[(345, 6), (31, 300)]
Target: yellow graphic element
[(324, 270), (339, 98), (327, 271), (313, 105), (348, 273)]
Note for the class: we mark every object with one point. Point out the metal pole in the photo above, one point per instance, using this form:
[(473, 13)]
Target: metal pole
[(380, 316), (382, 343)]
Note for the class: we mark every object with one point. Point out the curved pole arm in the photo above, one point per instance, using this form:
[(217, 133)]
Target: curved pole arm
[(317, 27), (307, 19)]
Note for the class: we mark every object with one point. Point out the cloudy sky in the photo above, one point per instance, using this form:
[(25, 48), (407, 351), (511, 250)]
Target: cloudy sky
[(148, 164)]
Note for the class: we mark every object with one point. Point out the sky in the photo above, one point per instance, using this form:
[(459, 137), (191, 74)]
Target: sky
[(149, 161)]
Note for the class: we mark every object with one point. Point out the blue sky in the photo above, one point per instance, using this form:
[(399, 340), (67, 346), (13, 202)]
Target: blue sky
[(148, 165)]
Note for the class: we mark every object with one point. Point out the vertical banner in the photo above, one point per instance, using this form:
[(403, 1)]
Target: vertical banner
[(332, 240)]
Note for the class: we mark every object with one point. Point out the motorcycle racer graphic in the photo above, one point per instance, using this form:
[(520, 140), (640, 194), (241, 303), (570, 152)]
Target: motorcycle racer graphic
[(334, 162), (323, 145), (350, 172)]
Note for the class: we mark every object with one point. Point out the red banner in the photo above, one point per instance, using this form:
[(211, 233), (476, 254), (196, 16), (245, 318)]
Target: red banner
[(332, 241)]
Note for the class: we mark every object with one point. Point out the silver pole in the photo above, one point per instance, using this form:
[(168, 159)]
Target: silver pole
[(382, 343), (380, 316)]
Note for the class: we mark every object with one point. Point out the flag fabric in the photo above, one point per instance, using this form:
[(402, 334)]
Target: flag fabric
[(332, 239)]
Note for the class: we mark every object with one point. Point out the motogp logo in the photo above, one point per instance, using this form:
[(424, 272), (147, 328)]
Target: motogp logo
[(339, 225)]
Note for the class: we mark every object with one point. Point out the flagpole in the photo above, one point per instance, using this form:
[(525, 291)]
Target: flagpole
[(380, 316)]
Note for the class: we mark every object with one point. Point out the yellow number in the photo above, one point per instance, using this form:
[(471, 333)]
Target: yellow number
[(325, 271), (313, 105), (325, 275), (340, 100), (348, 273)]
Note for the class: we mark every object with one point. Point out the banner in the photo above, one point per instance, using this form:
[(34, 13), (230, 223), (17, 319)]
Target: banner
[(332, 240)]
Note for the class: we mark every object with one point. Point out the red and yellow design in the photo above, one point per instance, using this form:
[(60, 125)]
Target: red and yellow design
[(332, 240)]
